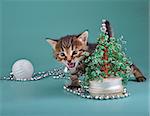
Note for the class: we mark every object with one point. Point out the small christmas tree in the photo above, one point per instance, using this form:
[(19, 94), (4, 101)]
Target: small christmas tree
[(108, 59)]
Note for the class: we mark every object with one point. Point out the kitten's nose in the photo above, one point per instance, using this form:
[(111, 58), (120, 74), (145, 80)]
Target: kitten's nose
[(69, 61)]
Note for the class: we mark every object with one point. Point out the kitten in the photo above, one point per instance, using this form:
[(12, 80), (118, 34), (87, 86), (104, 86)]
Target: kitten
[(70, 49)]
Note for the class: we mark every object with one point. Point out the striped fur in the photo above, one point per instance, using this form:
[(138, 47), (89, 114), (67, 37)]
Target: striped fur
[(69, 49)]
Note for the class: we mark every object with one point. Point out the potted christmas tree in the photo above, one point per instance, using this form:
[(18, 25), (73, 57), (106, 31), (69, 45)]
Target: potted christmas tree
[(108, 66)]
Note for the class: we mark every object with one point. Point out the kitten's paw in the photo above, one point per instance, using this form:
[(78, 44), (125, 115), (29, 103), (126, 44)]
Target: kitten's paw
[(74, 87), (141, 79)]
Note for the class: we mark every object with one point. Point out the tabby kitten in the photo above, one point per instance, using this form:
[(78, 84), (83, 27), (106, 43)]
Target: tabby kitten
[(70, 49)]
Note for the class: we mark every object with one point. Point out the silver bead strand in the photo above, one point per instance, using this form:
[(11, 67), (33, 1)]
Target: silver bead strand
[(84, 94)]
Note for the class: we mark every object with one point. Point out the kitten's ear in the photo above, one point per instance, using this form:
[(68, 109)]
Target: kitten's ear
[(83, 37), (52, 42)]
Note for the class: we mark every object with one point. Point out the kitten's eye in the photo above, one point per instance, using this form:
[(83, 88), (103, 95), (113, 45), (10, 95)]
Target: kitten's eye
[(82, 50), (74, 52), (62, 54)]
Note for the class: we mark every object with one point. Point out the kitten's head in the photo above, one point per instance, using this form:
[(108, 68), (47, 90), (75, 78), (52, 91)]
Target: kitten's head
[(69, 49)]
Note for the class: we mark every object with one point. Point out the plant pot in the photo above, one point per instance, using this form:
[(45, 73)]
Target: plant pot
[(106, 87)]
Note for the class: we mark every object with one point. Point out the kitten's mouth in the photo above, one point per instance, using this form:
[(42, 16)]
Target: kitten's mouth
[(71, 65)]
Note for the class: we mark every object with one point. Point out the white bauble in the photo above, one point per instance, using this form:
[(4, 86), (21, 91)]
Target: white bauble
[(22, 69)]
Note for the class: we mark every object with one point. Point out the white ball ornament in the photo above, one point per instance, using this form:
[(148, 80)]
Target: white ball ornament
[(22, 69)]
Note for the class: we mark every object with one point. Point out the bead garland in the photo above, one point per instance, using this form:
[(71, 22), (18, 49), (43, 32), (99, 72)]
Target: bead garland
[(59, 73), (85, 94), (56, 73)]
